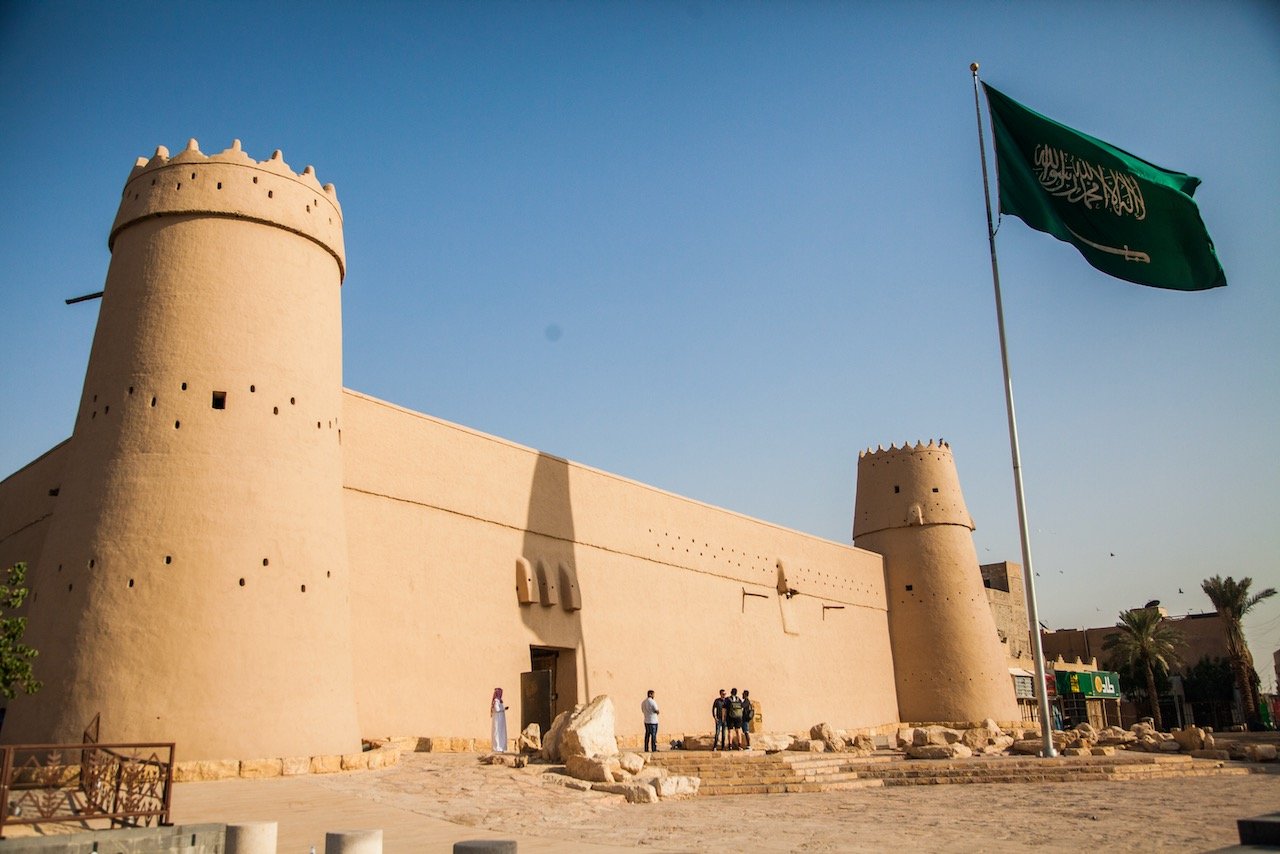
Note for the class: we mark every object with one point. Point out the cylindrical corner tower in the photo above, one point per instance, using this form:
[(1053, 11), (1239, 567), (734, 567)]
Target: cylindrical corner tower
[(948, 663), (194, 583)]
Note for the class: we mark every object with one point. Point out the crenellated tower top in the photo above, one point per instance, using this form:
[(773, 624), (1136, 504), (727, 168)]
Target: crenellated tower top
[(233, 184), (899, 487)]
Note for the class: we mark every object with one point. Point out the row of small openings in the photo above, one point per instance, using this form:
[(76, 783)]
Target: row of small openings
[(732, 551), (218, 401), (252, 389), (896, 489), (168, 560), (834, 578), (270, 193), (714, 554)]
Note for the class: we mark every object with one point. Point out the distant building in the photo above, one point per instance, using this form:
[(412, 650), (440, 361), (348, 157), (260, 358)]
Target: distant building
[(1003, 583), (1203, 636), (1007, 598)]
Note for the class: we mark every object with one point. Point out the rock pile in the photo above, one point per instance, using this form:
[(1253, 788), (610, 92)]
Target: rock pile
[(585, 742), (938, 742)]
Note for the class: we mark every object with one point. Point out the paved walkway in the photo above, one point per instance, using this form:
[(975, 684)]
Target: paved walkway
[(426, 804), (431, 801)]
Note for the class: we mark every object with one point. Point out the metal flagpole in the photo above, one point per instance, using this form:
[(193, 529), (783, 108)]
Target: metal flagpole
[(1046, 721)]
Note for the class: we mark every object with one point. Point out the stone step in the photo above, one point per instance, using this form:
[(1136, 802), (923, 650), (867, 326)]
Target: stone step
[(994, 773), (834, 777), (785, 788), (796, 758), (734, 773)]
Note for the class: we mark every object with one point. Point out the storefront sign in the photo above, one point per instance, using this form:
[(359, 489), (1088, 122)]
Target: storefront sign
[(1101, 683)]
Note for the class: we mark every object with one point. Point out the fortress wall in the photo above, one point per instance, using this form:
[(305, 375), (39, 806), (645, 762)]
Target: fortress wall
[(438, 515), (26, 507)]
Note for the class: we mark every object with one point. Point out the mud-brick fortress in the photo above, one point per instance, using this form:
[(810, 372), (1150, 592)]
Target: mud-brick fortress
[(235, 553)]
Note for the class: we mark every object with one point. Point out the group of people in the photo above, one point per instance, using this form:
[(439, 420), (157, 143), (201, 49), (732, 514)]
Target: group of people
[(733, 716), (498, 721)]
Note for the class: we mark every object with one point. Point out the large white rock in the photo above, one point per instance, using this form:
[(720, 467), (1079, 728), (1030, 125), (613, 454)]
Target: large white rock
[(808, 745), (635, 793), (939, 751), (977, 738), (771, 742), (631, 762), (1191, 738), (936, 735), (530, 740), (551, 743), (823, 732), (597, 769), (677, 786), (652, 774), (590, 731), (1027, 746)]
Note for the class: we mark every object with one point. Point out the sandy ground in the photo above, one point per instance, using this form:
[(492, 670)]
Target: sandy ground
[(433, 800)]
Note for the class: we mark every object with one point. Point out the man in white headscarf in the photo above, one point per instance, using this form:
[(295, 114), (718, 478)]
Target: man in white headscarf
[(498, 720)]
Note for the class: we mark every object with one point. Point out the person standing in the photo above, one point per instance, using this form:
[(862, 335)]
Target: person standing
[(498, 722), (718, 742), (748, 715), (733, 719), (649, 707)]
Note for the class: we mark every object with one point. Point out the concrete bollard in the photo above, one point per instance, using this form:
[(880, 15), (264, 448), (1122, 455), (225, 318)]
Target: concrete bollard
[(485, 846), (353, 842), (251, 837)]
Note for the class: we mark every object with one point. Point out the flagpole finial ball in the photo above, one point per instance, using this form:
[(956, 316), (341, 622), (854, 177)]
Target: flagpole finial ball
[(973, 66)]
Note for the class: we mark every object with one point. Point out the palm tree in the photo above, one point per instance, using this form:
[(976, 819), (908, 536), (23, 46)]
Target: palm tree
[(1145, 642), (1232, 601)]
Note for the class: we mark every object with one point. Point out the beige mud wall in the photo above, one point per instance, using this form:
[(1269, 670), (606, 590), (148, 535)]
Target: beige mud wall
[(193, 583), (438, 515), (26, 507), (27, 499)]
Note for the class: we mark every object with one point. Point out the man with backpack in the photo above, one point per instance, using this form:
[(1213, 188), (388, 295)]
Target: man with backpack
[(733, 711), (717, 714)]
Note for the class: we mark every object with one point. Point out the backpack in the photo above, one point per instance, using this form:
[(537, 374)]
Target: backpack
[(733, 708)]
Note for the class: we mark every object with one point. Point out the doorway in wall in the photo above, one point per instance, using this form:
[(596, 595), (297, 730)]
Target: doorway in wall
[(549, 688)]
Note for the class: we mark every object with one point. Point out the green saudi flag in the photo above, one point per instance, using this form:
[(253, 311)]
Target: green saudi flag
[(1129, 218)]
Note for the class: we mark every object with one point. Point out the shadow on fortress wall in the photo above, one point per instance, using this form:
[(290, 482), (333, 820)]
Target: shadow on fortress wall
[(549, 544)]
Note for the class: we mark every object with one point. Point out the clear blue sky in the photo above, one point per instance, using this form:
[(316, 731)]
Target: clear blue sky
[(719, 247)]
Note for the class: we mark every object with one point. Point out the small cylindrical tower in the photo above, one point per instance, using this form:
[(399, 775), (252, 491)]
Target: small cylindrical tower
[(948, 662), (194, 582)]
